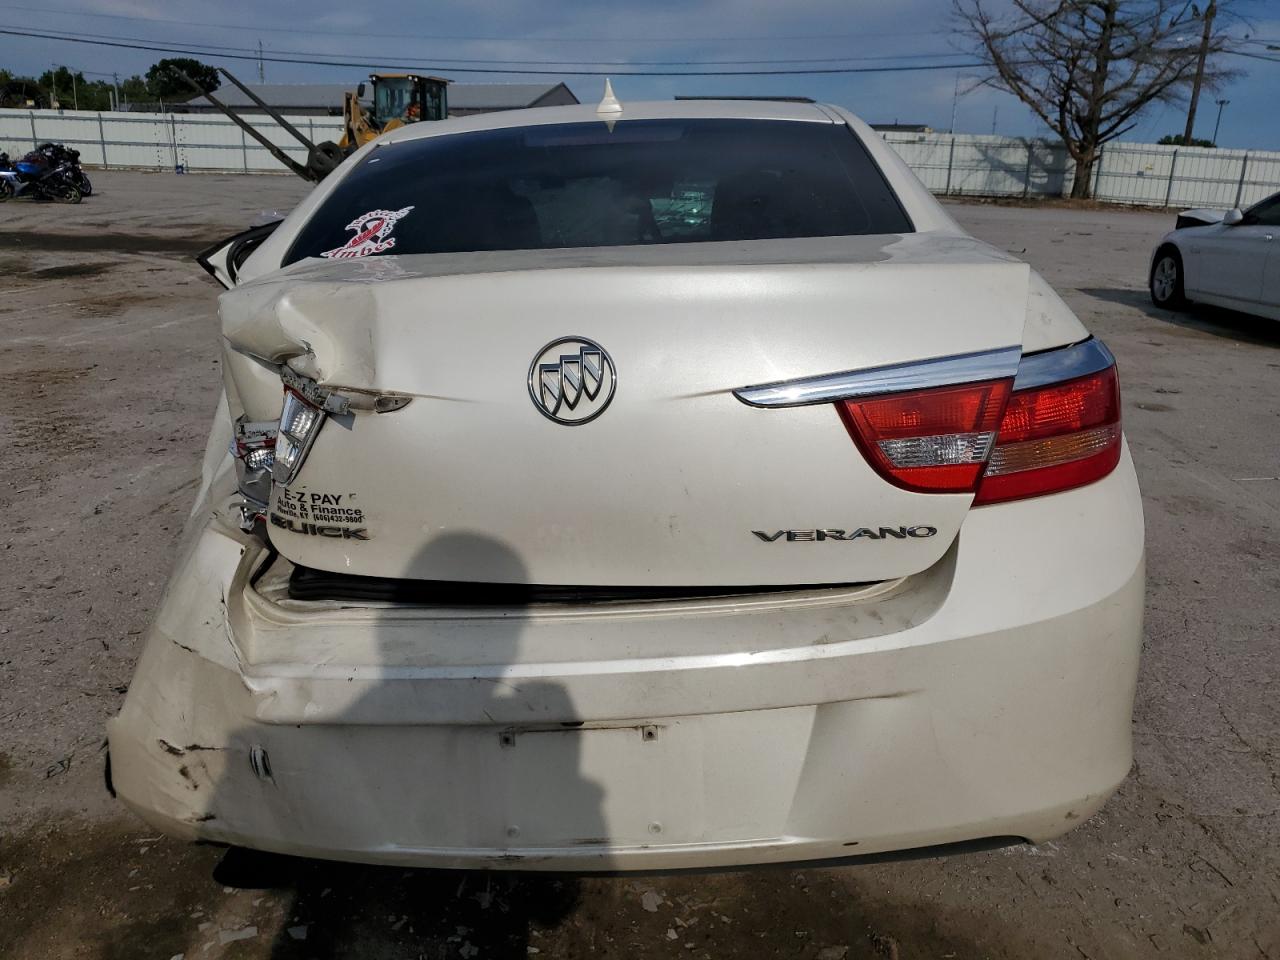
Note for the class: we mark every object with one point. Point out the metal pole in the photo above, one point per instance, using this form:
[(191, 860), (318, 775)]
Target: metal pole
[(173, 139), (75, 97), (1244, 165), (102, 139), (1217, 123), (1207, 17), (34, 142), (1173, 165), (951, 156), (1097, 174), (298, 168), (1026, 177), (244, 150), (262, 104)]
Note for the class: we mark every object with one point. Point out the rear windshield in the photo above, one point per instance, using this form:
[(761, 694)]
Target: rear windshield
[(589, 185)]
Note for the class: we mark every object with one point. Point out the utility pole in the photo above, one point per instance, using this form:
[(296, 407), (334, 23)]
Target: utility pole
[(955, 97), (262, 73), (53, 85), (1210, 12), (115, 84), (75, 97), (1218, 122)]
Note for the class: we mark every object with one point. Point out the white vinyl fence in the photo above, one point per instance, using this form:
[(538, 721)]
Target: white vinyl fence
[(1139, 173), (162, 141)]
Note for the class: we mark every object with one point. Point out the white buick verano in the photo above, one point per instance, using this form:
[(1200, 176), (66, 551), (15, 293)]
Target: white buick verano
[(672, 485)]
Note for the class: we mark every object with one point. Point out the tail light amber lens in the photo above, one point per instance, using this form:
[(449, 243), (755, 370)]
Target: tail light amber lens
[(1054, 438)]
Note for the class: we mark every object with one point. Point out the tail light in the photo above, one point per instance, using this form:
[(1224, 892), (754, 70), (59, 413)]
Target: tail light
[(253, 448), (1055, 427), (995, 423), (300, 421), (935, 440), (1055, 437), (273, 450)]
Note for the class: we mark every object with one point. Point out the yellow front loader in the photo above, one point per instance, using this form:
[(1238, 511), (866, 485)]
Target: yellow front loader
[(398, 98)]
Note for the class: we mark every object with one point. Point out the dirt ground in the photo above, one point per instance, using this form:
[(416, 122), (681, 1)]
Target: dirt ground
[(108, 377)]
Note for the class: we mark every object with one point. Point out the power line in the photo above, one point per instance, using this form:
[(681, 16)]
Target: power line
[(457, 37), (518, 67), (1252, 56), (320, 60), (217, 49)]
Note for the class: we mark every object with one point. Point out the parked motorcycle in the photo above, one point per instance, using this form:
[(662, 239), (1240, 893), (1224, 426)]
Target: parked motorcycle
[(6, 184), (36, 176), (58, 153)]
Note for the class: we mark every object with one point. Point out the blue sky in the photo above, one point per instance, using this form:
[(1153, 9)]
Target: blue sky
[(575, 30)]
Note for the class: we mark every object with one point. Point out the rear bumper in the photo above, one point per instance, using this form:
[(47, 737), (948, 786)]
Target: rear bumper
[(988, 697)]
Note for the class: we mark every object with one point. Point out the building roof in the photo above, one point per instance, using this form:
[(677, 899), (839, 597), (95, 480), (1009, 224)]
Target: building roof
[(462, 96), (499, 96), (896, 127), (285, 96)]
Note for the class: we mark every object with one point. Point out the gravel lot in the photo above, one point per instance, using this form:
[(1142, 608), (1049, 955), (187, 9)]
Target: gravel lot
[(108, 375)]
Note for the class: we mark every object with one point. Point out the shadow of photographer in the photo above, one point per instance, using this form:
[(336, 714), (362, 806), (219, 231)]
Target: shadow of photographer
[(493, 798)]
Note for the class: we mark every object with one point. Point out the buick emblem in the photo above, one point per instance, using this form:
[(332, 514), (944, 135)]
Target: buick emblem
[(571, 381)]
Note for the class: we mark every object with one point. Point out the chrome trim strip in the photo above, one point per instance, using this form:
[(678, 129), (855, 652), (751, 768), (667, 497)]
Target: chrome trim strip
[(914, 375), (1063, 363)]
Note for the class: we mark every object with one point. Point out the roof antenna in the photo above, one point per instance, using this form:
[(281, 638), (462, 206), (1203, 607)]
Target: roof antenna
[(609, 104)]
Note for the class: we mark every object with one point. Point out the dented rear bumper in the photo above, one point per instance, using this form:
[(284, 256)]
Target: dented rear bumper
[(989, 696)]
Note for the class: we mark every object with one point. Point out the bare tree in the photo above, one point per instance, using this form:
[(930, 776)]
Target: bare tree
[(1088, 68)]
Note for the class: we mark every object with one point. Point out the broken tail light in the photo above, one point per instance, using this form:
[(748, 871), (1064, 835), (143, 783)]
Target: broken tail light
[(300, 421), (273, 450), (253, 447)]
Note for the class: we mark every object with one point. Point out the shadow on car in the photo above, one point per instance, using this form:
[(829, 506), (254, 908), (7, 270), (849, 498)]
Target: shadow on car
[(1197, 316)]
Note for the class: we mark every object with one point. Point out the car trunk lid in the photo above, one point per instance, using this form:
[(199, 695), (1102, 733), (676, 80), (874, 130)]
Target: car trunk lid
[(676, 482)]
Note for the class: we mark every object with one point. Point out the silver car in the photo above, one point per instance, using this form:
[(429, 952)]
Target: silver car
[(1224, 258), (648, 486)]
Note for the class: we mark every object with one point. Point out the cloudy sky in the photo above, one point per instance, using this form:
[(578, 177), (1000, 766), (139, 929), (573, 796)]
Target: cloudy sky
[(619, 37)]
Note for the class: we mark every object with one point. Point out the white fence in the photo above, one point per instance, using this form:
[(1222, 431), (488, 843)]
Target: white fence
[(1140, 173), (949, 165), (161, 141)]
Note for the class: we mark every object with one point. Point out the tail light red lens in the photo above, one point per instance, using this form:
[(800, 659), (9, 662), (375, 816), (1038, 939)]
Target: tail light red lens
[(1055, 437), (988, 439), (935, 440)]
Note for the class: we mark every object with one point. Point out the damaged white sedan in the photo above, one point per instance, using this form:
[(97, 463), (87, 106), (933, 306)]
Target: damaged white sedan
[(672, 485)]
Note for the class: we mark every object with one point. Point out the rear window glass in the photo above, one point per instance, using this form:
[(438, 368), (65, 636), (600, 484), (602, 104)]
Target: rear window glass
[(586, 185)]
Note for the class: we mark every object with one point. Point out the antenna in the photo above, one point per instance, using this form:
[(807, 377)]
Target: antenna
[(608, 103)]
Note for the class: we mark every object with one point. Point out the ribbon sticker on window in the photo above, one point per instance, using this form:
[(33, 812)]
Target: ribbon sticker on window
[(373, 234)]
